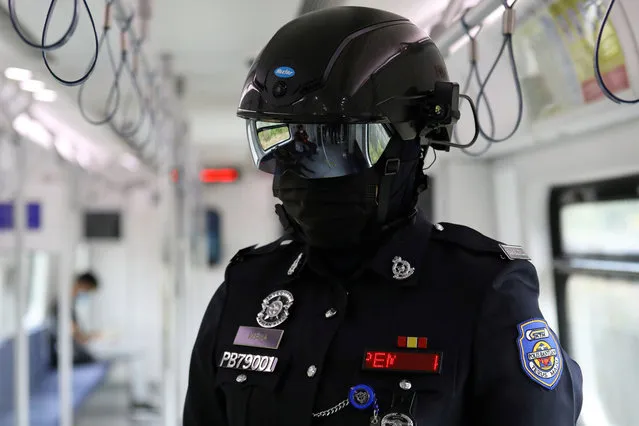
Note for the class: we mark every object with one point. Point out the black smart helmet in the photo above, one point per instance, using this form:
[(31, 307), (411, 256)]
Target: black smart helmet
[(332, 87)]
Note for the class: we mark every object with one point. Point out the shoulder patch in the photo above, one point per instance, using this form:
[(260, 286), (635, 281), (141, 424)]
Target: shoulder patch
[(539, 353), (473, 240)]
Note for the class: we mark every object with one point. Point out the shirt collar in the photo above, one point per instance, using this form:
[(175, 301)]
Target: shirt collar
[(399, 258)]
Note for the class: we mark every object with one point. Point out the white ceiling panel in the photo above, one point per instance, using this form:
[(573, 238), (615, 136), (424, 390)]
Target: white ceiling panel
[(211, 43), (207, 38)]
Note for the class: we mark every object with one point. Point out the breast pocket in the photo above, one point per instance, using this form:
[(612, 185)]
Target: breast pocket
[(250, 395), (433, 393)]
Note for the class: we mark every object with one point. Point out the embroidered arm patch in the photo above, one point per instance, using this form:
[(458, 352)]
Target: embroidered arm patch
[(540, 353)]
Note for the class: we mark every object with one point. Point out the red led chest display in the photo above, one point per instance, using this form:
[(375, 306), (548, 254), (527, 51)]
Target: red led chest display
[(419, 362)]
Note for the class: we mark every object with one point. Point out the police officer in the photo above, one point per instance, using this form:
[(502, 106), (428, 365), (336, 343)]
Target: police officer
[(366, 313)]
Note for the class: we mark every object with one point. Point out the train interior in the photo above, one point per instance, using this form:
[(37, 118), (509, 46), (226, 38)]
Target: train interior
[(137, 168)]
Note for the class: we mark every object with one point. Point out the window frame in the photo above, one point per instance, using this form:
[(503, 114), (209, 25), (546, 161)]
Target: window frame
[(595, 264)]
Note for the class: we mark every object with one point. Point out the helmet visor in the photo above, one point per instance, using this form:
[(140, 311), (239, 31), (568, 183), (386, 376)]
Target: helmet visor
[(316, 151)]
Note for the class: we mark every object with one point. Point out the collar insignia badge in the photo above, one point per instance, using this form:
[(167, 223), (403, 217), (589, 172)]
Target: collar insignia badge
[(295, 264), (401, 269)]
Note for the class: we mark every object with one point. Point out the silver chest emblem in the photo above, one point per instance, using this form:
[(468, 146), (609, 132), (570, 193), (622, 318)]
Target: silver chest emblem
[(401, 269), (397, 419), (275, 308)]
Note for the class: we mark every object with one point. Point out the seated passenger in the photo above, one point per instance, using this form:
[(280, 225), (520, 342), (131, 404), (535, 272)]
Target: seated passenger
[(86, 349), (84, 285)]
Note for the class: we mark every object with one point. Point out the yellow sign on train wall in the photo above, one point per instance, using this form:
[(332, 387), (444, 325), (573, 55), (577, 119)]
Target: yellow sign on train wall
[(579, 22), (555, 51)]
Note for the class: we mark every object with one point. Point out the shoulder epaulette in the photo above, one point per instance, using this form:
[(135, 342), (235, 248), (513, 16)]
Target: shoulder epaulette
[(473, 240), (254, 250)]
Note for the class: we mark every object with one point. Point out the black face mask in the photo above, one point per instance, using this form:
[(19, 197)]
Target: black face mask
[(343, 212), (330, 213)]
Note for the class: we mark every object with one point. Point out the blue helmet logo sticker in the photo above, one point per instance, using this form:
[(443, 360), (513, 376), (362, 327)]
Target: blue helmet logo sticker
[(284, 72)]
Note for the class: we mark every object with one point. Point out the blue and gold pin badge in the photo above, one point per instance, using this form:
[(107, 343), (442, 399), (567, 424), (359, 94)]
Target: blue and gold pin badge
[(540, 353)]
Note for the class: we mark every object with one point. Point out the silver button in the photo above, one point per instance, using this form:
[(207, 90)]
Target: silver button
[(405, 384), (241, 378), (311, 371), (439, 227), (330, 313)]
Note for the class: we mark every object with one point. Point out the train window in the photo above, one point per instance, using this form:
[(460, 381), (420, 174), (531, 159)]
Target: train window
[(595, 235), (40, 278), (39, 274), (7, 295), (601, 228)]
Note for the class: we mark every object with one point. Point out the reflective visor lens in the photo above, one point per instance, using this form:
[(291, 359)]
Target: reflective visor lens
[(316, 150)]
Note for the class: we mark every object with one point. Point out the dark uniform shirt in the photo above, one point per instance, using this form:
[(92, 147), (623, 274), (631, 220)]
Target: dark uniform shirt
[(80, 353), (450, 289)]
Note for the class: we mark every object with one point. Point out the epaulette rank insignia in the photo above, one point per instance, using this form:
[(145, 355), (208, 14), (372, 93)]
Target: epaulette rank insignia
[(514, 252)]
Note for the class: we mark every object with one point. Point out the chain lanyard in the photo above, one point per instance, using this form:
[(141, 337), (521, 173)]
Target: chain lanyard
[(333, 410), (366, 399)]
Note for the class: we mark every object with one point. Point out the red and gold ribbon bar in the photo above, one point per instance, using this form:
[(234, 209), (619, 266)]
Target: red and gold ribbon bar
[(412, 342)]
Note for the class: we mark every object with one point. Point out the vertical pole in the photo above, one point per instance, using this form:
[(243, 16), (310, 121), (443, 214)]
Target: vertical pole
[(65, 348), (21, 349), (165, 142), (182, 255), (183, 262), (178, 294), (168, 302)]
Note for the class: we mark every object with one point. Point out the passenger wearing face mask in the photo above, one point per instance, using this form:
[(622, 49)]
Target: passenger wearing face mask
[(366, 313), (90, 347), (84, 286)]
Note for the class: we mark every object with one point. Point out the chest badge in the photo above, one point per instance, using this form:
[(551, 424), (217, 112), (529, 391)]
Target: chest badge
[(275, 308), (401, 269), (397, 419)]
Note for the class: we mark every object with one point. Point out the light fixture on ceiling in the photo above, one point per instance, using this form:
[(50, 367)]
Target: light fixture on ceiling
[(45, 95), (463, 41), (32, 86), (33, 130), (84, 158), (488, 21), (17, 74), (71, 144), (82, 153), (494, 16), (65, 149), (129, 162)]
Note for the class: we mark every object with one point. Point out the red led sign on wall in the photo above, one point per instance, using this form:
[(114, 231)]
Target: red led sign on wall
[(218, 175), (417, 362), (227, 175)]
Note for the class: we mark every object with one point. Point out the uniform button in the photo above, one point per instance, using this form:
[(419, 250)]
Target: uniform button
[(311, 371), (241, 378), (405, 384), (330, 313), (439, 227)]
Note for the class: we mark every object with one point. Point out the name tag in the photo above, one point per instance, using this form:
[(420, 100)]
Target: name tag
[(239, 361), (257, 337)]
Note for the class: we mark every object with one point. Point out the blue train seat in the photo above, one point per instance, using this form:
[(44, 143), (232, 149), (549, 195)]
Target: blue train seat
[(44, 396)]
